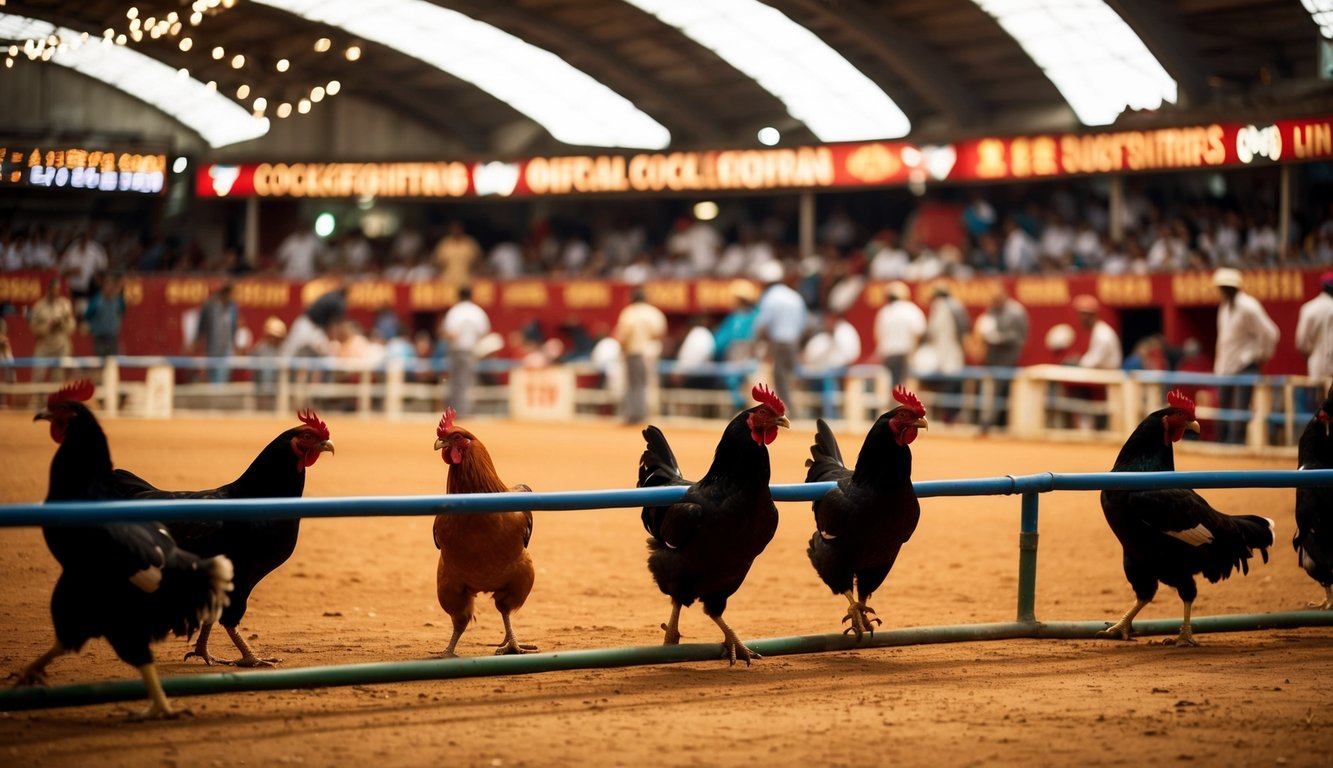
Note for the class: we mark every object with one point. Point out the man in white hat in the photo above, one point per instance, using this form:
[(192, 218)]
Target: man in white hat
[(1246, 338), (899, 326), (1104, 350)]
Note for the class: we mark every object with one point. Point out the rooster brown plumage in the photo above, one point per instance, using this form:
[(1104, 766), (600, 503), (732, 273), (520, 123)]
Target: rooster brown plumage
[(480, 553)]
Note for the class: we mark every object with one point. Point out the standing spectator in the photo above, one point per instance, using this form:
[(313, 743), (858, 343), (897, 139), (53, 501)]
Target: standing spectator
[(639, 329), (888, 259), (51, 319), (899, 325), (300, 255), (268, 349), (309, 334), (941, 349), (836, 346), (82, 260), (734, 336), (457, 254), (695, 355), (1104, 349), (1020, 250), (1314, 332), (6, 359), (216, 335), (1004, 328), (698, 244), (463, 327), (1246, 338), (780, 321), (105, 311)]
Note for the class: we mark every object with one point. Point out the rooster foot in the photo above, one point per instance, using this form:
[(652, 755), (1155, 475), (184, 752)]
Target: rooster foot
[(28, 678), (1326, 605), (1117, 632), (512, 647), (672, 636), (208, 660), (859, 625), (732, 650), (155, 712), (1184, 640), (250, 662), (445, 655)]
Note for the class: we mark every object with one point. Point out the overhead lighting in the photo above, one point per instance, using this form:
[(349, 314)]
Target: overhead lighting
[(180, 164), (284, 110), (323, 44), (186, 44), (819, 87), (219, 120), (572, 106), (1089, 53), (283, 65), (243, 92), (333, 87), (705, 210), (237, 61), (769, 136), (1322, 13), (303, 106), (353, 52), (317, 93), (218, 53)]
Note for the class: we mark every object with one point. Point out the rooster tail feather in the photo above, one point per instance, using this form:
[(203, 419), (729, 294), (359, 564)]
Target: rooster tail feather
[(658, 465), (194, 591), (1256, 532), (825, 457)]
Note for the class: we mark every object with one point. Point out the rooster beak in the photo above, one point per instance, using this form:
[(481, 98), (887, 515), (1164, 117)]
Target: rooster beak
[(327, 445), (42, 416), (1193, 426), (783, 421), (439, 443), (921, 423)]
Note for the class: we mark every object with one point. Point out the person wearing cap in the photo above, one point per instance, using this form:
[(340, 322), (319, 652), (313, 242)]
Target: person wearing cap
[(640, 330), (1104, 350), (1314, 331), (463, 327), (899, 325), (780, 322), (216, 335), (51, 319), (1246, 338), (734, 336), (268, 349)]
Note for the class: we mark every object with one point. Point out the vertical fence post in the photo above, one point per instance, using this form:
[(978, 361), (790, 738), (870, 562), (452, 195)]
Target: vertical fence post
[(1027, 560)]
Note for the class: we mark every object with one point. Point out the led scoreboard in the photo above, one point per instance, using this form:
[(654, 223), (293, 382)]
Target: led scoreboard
[(68, 167)]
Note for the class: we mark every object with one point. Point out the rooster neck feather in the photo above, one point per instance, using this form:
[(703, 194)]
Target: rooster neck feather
[(82, 459), (738, 456), (1147, 450), (476, 472), (274, 471), (882, 462)]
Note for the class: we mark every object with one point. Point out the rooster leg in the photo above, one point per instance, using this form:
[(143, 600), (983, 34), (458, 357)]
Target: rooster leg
[(1327, 605), (855, 616), (35, 673), (1124, 629), (1186, 636), (732, 645), (510, 644), (248, 658), (460, 624), (159, 708), (672, 626), (201, 646)]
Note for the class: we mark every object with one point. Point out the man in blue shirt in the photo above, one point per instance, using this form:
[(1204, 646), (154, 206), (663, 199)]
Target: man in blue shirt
[(780, 321)]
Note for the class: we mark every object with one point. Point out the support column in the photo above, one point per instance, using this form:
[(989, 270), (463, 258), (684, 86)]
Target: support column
[(1284, 210), (806, 236), (251, 254), (1027, 560), (1116, 209)]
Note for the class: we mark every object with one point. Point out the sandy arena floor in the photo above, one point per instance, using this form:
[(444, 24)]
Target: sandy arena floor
[(362, 590)]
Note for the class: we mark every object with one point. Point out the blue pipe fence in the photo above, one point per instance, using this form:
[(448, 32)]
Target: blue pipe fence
[(1026, 625)]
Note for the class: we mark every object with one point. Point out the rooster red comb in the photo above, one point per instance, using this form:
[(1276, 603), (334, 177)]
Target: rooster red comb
[(768, 397), (1177, 399), (312, 420), (910, 400), (446, 422), (75, 390)]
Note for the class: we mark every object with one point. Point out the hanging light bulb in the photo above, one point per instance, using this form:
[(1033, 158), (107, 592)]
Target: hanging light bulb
[(303, 106), (283, 65), (243, 92), (333, 87), (284, 110), (353, 52)]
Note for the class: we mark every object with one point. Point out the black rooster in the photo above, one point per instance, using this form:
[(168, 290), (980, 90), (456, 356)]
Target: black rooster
[(256, 547), (1314, 506), (129, 583), (863, 523), (701, 547), (1171, 535)]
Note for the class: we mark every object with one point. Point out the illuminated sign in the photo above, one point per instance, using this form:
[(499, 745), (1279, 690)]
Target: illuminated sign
[(832, 166), (67, 167)]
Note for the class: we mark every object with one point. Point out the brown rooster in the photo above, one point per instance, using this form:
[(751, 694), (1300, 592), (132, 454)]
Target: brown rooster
[(480, 553)]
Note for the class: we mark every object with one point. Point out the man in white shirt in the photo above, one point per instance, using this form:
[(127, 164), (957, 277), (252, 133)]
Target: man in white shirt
[(1246, 338), (640, 330), (1314, 335), (1104, 350), (83, 260), (835, 347), (300, 255), (463, 327), (899, 326), (779, 322)]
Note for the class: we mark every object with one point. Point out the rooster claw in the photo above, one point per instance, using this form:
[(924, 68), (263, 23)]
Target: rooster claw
[(513, 647), (28, 679), (738, 650), (156, 713), (672, 636), (250, 663), (208, 660)]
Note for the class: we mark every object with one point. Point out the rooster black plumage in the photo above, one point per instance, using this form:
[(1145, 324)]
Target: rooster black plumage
[(1314, 506), (701, 547), (256, 547), (129, 583), (1172, 535), (863, 523)]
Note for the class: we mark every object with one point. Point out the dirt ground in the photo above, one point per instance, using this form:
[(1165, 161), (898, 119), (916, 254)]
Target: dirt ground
[(361, 590)]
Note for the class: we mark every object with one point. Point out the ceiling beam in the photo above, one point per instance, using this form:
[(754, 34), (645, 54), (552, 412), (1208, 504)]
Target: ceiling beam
[(1168, 40), (925, 70)]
